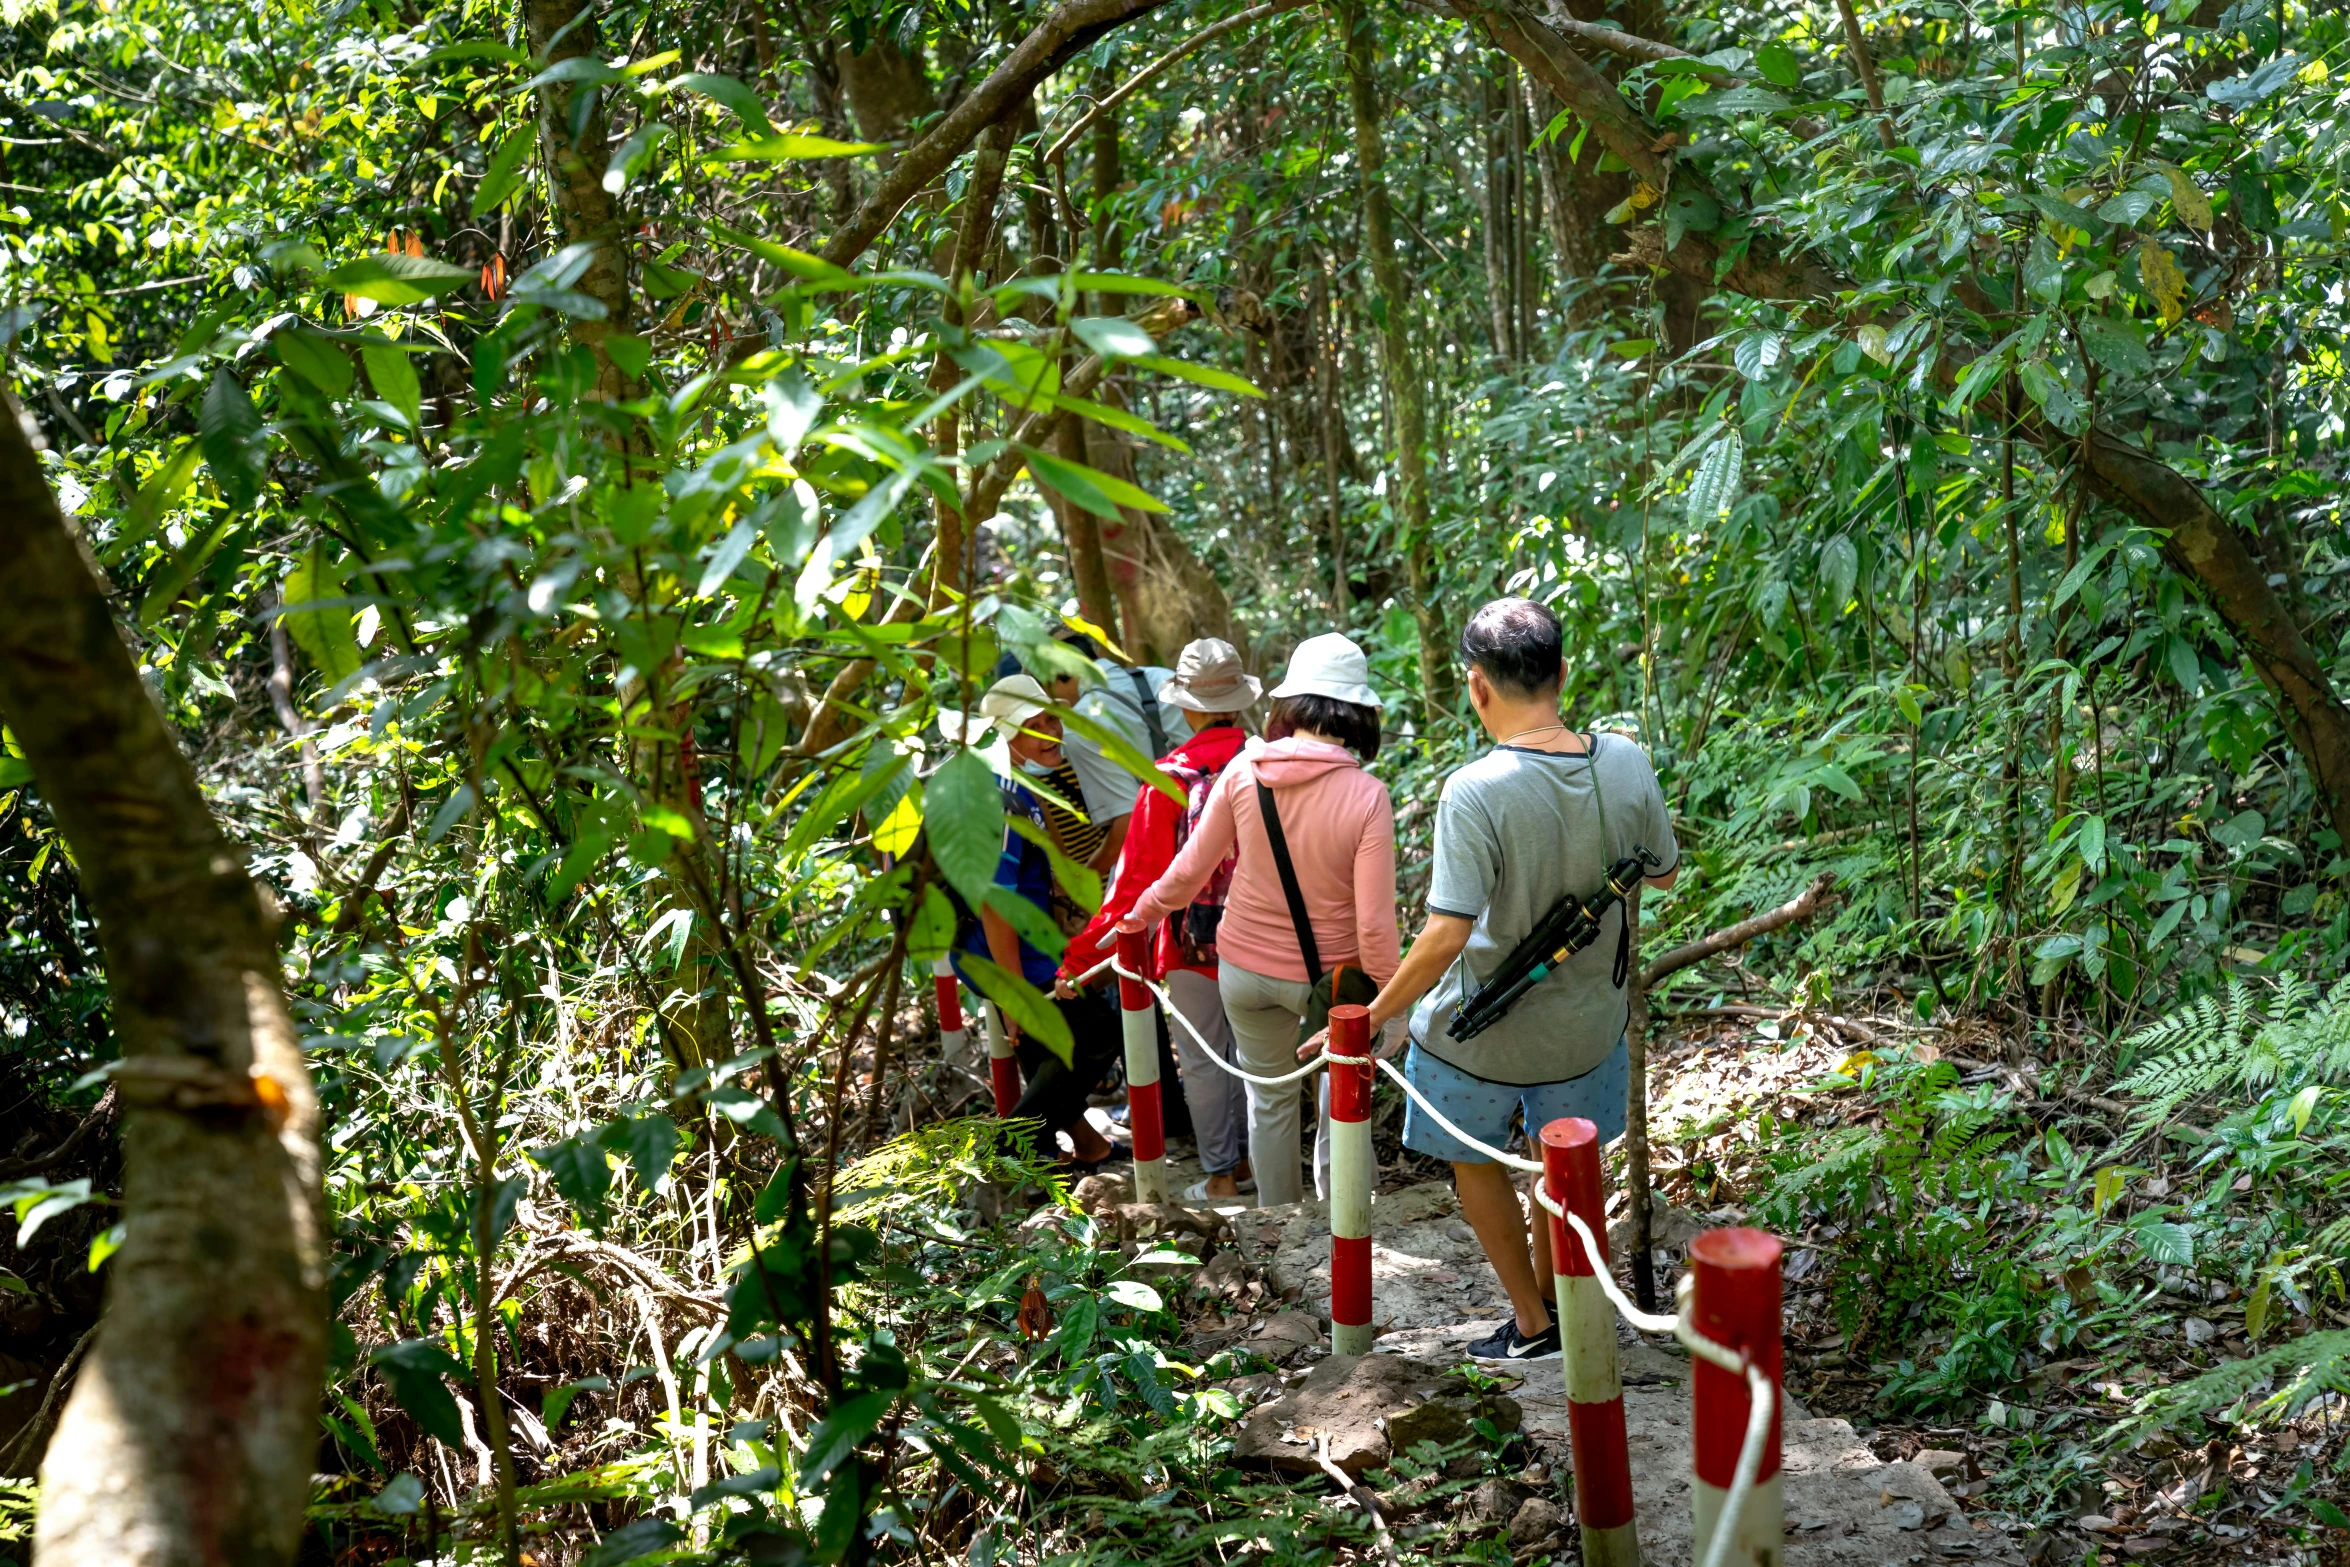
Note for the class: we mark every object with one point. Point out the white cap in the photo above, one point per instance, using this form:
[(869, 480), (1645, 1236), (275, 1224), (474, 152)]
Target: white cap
[(1329, 665), (1010, 702)]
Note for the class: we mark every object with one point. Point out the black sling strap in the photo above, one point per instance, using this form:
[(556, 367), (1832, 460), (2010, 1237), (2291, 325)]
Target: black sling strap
[(1289, 887), (1148, 701)]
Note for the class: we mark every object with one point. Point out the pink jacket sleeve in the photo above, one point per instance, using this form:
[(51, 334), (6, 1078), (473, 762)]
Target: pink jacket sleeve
[(1210, 842), (1377, 940)]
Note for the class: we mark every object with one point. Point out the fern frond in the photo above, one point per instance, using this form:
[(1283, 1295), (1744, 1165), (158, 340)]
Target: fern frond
[(1847, 1161), (2300, 1371)]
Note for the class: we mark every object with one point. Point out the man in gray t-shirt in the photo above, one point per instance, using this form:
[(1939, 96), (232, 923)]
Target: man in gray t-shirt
[(1516, 830), (1542, 815)]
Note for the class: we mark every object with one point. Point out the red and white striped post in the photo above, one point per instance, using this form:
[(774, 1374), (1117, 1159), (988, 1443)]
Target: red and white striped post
[(1587, 1338), (1003, 1067), (1736, 1305), (953, 1039), (1142, 1069), (1352, 1167)]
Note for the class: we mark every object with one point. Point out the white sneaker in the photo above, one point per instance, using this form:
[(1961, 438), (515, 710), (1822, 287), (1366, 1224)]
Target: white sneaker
[(1197, 1192)]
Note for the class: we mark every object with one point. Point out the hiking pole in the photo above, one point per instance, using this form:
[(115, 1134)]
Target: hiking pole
[(1735, 1303), (953, 1038), (1143, 1117), (1353, 1167), (1587, 1340), (1003, 1067)]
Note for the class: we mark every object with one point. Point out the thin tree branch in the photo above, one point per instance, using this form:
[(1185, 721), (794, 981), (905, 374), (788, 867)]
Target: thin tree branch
[(1801, 907), (1151, 72)]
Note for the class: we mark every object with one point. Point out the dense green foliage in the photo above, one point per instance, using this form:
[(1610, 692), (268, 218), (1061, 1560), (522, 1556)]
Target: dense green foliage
[(499, 607)]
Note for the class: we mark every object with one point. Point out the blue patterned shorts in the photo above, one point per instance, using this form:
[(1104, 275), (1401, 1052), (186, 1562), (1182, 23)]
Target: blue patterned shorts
[(1486, 1111)]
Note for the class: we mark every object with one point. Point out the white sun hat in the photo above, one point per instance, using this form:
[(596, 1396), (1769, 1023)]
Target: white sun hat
[(1009, 703), (1329, 665)]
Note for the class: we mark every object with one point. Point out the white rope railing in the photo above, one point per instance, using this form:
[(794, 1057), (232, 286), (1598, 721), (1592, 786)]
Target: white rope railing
[(1762, 1400), (1758, 1385), (1206, 1049)]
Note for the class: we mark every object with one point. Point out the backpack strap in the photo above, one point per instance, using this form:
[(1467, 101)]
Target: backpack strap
[(1148, 701), (1289, 887)]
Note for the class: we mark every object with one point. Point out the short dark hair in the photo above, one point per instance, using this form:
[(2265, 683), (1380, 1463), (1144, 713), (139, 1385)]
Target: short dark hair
[(1078, 642), (1519, 646), (1349, 723)]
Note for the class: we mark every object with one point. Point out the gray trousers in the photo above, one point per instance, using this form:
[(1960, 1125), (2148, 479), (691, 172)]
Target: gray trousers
[(1265, 1013), (1216, 1097)]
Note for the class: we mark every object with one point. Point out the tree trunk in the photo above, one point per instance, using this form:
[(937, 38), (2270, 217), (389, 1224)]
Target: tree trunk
[(192, 1427), (1405, 390), (888, 90), (588, 214), (1492, 181)]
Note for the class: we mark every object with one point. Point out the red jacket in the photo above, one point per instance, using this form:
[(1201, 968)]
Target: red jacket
[(1149, 850)]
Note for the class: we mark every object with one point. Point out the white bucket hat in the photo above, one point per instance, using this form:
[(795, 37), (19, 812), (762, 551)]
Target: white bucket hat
[(1009, 703), (1209, 679), (1329, 665)]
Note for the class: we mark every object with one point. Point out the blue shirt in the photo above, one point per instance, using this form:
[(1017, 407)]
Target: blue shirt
[(1025, 871)]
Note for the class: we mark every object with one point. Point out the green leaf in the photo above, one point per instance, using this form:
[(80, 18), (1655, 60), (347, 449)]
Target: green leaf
[(633, 1542), (1022, 1004), (1778, 67), (807, 268), (228, 427), (391, 279), (650, 1142), (1123, 283), (393, 376), (414, 1369), (1719, 479), (730, 94), (963, 812), (1113, 337), (794, 147), (1098, 492), (582, 1172), (1120, 419), (836, 1436), (1199, 375), (506, 172), (2091, 844), (1136, 1294), (2164, 1242), (1839, 570), (323, 630), (557, 1401), (2115, 343), (315, 357)]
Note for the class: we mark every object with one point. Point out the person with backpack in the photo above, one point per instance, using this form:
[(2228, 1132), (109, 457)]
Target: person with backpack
[(1541, 816), (1131, 702), (1211, 690), (1311, 909), (1027, 746)]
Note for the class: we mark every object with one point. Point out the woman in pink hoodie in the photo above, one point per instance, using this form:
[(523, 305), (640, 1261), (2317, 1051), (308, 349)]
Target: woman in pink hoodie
[(1340, 829)]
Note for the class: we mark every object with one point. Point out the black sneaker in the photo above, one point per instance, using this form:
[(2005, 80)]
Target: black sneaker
[(1510, 1344)]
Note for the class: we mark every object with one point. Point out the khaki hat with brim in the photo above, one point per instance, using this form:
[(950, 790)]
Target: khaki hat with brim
[(1008, 704), (1209, 679)]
